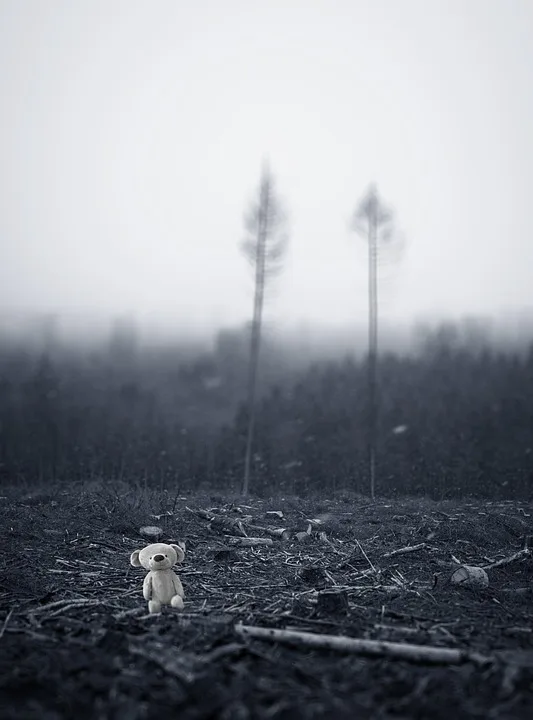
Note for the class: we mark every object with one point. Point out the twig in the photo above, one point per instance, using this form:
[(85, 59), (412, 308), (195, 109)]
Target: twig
[(330, 577), (366, 556), (448, 517), (75, 604), (59, 603), (403, 550), (6, 621), (375, 648), (49, 606)]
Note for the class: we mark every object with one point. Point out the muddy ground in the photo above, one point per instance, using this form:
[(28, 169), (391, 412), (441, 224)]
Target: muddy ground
[(76, 640)]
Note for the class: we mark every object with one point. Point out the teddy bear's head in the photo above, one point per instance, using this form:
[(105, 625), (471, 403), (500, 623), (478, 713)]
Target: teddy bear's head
[(158, 556)]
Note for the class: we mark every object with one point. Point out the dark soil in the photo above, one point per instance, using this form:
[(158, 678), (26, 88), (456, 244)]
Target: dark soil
[(76, 640)]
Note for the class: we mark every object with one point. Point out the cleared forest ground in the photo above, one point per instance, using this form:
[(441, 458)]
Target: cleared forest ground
[(76, 640)]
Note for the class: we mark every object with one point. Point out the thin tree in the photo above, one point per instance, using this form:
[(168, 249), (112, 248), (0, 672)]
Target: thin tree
[(264, 248), (373, 220)]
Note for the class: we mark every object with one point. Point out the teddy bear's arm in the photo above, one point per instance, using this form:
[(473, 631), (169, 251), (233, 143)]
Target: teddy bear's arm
[(178, 587), (147, 586)]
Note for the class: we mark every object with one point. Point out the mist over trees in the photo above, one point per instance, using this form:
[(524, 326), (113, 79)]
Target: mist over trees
[(456, 414)]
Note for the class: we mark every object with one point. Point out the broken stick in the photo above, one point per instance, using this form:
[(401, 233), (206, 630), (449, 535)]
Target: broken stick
[(281, 533), (375, 648), (403, 550)]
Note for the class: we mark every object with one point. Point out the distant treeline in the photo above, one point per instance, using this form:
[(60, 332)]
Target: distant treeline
[(455, 419)]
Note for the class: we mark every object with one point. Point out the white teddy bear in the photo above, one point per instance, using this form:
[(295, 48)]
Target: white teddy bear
[(161, 586)]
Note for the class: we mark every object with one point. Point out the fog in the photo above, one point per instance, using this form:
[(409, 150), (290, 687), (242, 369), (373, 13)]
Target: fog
[(133, 133)]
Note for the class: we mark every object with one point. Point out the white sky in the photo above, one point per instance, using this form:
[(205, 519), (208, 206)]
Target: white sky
[(132, 134)]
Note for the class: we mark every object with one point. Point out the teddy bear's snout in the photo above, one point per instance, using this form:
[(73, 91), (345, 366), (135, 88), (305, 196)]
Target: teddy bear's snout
[(159, 558)]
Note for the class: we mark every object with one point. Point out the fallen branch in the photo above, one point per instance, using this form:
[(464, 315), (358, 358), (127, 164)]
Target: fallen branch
[(201, 513), (282, 533), (249, 541), (403, 550), (228, 525), (375, 648), (222, 523), (520, 555), (78, 602), (74, 605)]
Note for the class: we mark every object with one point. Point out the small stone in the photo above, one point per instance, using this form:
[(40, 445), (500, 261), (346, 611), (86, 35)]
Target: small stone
[(302, 537)]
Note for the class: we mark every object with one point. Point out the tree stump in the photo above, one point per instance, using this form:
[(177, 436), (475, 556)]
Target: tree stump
[(332, 602)]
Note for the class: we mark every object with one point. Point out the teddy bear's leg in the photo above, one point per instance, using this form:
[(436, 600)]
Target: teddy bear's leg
[(154, 606), (177, 602)]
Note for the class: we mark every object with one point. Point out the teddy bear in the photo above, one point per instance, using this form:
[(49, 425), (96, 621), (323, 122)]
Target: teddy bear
[(161, 586)]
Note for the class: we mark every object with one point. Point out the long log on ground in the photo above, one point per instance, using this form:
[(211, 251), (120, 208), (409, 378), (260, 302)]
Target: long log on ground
[(249, 541), (281, 533), (376, 648)]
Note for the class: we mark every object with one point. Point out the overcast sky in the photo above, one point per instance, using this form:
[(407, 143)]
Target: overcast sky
[(132, 134)]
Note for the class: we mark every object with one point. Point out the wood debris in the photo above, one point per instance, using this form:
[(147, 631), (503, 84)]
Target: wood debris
[(361, 589), (405, 550), (249, 541), (520, 555), (384, 649)]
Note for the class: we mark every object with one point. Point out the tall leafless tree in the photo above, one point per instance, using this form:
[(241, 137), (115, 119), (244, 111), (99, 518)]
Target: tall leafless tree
[(373, 220), (264, 248)]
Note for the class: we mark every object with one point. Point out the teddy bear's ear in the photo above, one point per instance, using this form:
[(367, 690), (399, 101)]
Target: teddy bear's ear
[(134, 558), (179, 552)]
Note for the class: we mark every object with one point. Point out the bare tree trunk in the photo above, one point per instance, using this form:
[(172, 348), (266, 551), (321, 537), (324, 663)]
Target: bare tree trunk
[(255, 338), (264, 249), (372, 349), (372, 220)]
